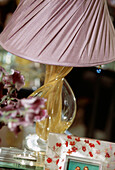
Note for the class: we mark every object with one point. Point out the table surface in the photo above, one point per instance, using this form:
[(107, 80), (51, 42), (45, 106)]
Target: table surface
[(10, 144)]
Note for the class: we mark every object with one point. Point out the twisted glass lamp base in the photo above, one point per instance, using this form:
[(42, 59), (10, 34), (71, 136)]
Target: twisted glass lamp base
[(61, 107), (33, 142)]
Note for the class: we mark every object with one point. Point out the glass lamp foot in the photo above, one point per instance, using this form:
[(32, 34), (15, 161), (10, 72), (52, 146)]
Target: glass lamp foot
[(33, 143)]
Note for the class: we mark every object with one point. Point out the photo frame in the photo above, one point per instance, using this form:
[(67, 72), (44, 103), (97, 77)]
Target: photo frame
[(62, 149), (76, 163)]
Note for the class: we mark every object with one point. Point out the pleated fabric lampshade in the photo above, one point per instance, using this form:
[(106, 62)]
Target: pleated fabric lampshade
[(61, 32)]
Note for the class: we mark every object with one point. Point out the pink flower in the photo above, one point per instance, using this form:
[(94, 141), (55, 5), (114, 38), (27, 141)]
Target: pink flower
[(14, 112), (20, 115), (15, 79), (1, 89), (35, 107), (14, 127), (34, 103)]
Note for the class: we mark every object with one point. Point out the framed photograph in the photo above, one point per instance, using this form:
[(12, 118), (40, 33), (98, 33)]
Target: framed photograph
[(75, 163)]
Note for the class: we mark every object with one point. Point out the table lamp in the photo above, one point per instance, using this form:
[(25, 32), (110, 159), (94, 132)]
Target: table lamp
[(61, 34)]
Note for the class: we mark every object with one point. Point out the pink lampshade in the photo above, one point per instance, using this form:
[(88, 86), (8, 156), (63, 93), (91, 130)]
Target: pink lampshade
[(61, 32)]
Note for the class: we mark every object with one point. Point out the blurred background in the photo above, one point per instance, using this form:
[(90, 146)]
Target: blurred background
[(94, 87)]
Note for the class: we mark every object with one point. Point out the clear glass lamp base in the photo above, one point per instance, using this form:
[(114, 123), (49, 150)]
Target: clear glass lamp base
[(32, 142)]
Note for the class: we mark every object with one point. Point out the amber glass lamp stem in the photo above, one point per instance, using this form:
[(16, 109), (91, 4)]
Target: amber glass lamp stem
[(52, 91)]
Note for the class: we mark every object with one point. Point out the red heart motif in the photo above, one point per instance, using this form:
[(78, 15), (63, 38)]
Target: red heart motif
[(83, 148), (74, 149), (69, 151), (58, 144), (90, 153), (49, 160), (72, 143), (107, 155), (86, 141), (69, 137), (54, 148), (91, 145), (98, 142), (66, 143), (78, 139), (57, 161)]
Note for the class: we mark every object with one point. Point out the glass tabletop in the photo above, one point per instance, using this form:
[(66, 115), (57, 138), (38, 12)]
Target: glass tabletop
[(13, 158), (13, 155)]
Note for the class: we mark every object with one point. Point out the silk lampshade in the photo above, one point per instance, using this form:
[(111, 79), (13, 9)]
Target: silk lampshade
[(61, 32)]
